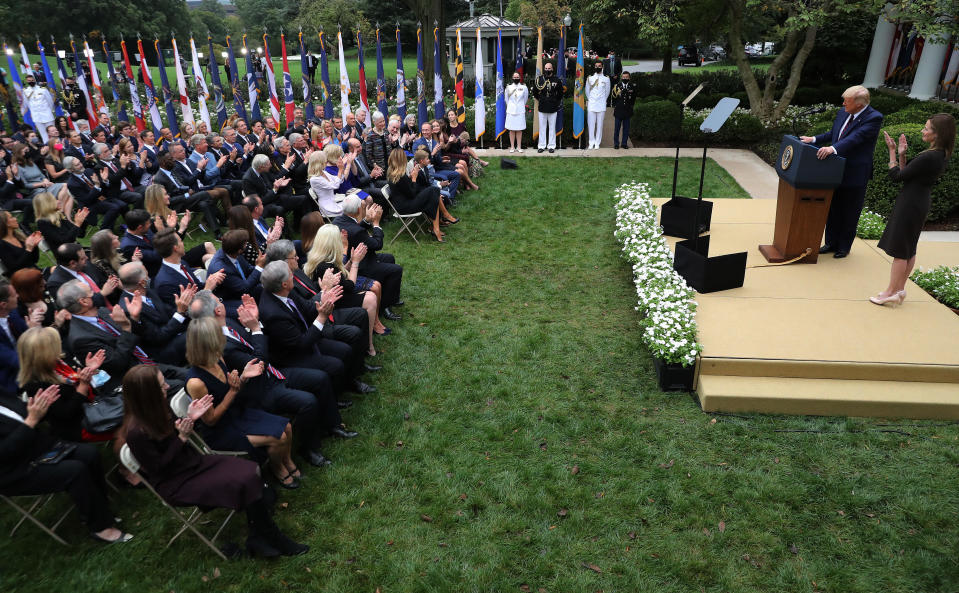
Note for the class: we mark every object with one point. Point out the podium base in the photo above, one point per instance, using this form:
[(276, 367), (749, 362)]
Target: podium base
[(774, 256)]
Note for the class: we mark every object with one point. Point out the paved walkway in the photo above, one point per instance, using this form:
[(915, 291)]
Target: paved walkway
[(749, 171)]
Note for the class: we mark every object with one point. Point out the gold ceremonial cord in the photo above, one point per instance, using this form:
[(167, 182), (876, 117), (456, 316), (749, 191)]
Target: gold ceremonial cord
[(617, 91), (783, 263)]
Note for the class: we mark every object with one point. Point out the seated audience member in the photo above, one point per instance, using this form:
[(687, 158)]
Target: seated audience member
[(32, 295), (30, 175), (240, 217), (78, 148), (139, 238), (184, 477), (408, 133), (301, 333), (229, 424), (56, 228), (265, 234), (413, 192), (456, 162), (39, 349), (12, 326), (72, 264), (442, 169), (135, 166), (362, 225), (157, 203), (175, 271), (88, 188), (93, 329), (275, 192), (325, 184), (53, 161), (378, 145), (17, 251), (117, 186), (306, 395), (105, 257), (326, 256), (163, 328), (239, 277), (300, 148), (10, 196), (210, 173), (334, 154), (23, 471)]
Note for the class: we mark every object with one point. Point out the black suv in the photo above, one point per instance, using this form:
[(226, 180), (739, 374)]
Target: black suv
[(689, 54)]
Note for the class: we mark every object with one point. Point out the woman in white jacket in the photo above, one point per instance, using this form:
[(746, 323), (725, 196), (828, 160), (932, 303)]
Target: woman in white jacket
[(516, 96), (324, 184)]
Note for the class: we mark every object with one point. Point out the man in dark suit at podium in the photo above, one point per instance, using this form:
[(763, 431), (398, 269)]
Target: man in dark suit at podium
[(853, 137)]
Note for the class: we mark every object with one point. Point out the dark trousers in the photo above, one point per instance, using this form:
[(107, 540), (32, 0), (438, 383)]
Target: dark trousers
[(313, 416), (22, 204), (80, 475), (322, 360), (109, 208), (843, 220), (352, 328), (617, 124), (383, 268)]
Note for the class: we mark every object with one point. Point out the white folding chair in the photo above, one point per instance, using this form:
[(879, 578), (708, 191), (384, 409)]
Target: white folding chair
[(180, 404), (29, 514), (133, 466), (326, 219), (409, 222)]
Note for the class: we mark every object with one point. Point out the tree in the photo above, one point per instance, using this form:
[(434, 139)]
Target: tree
[(329, 14), (269, 14), (931, 18), (107, 18), (546, 13)]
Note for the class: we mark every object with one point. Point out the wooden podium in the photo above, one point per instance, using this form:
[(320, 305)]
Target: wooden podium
[(805, 191)]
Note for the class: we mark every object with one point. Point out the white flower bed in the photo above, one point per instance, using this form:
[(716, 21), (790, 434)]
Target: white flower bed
[(665, 301)]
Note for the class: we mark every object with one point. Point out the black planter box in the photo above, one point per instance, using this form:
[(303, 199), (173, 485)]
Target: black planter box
[(708, 274), (674, 377), (676, 217)]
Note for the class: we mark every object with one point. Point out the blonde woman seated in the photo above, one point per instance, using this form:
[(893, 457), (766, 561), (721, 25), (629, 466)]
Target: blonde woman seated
[(325, 184), (156, 201), (326, 253), (228, 424), (413, 192), (53, 223)]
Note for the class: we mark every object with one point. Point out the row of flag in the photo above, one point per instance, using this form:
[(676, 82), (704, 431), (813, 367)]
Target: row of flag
[(245, 89)]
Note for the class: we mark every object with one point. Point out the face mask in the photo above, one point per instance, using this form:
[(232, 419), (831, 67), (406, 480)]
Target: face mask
[(31, 84), (549, 73), (58, 146), (515, 81)]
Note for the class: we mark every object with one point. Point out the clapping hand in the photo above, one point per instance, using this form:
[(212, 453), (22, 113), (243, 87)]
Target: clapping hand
[(358, 253), (135, 306), (110, 285), (80, 216), (902, 144), (329, 279), (35, 317), (33, 239), (890, 143), (234, 381), (214, 280), (120, 318), (199, 407), (253, 368), (170, 219), (184, 426), (94, 360), (137, 255), (249, 303), (184, 298), (38, 405)]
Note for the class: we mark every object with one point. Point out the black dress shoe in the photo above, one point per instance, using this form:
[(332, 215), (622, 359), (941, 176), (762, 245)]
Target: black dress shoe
[(827, 249), (401, 303), (361, 387), (391, 315), (840, 254), (551, 151), (344, 404), (343, 433), (539, 150), (371, 368), (258, 546), (315, 458)]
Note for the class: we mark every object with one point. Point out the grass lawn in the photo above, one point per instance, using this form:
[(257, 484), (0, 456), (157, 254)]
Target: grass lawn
[(717, 67), (519, 443)]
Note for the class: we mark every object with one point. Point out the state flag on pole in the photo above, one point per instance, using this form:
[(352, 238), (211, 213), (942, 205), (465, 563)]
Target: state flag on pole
[(61, 75), (400, 78), (168, 106), (325, 78), (100, 106), (579, 90), (51, 81), (185, 108), (251, 84), (344, 78), (520, 62), (82, 83), (364, 95), (307, 95), (239, 104), (421, 114), (152, 107), (114, 85), (380, 79), (561, 75), (539, 72), (439, 108), (288, 101), (458, 81), (199, 80), (18, 89), (132, 85), (218, 101), (271, 80), (500, 88), (479, 106)]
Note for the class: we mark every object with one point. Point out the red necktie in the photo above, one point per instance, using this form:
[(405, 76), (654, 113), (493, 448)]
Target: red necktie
[(137, 351), (126, 182), (304, 285), (273, 370), (186, 272), (89, 280)]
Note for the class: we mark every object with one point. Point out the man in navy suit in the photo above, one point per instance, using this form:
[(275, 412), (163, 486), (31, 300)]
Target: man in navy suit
[(164, 330), (174, 273), (853, 137), (239, 277), (11, 326), (139, 236)]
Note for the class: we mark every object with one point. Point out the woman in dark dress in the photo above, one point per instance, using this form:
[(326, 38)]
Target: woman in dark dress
[(239, 217), (56, 228), (184, 477), (412, 192), (17, 251), (32, 295), (228, 425), (901, 236)]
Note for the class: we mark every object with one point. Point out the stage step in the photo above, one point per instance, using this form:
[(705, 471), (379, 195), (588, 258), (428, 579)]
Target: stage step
[(829, 397), (829, 369)]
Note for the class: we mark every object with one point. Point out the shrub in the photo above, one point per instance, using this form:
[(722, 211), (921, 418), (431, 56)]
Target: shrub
[(942, 283), (918, 113), (887, 104), (871, 225), (656, 121), (881, 192)]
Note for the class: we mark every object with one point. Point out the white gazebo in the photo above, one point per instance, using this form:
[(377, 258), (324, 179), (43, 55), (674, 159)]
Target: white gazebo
[(489, 25)]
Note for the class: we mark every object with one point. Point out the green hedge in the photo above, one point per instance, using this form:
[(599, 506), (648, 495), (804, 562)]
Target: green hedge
[(881, 192), (656, 121), (918, 113)]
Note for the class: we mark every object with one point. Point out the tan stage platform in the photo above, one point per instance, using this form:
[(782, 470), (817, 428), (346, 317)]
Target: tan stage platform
[(804, 339)]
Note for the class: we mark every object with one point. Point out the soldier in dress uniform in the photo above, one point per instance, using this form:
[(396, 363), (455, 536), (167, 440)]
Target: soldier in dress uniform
[(549, 91), (624, 97), (597, 91)]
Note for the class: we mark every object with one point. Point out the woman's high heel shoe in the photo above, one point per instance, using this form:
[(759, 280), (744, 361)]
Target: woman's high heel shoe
[(893, 299)]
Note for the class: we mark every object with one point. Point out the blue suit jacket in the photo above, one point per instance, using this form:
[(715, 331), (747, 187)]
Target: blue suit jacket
[(9, 361), (857, 144), (234, 285), (167, 283), (150, 258)]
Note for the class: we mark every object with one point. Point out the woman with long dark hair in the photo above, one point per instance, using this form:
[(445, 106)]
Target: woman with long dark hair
[(901, 236), (184, 477)]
